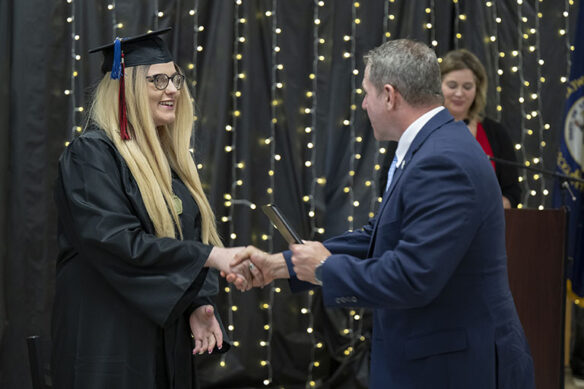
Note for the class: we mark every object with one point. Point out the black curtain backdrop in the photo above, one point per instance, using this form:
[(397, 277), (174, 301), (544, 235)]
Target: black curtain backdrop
[(276, 87)]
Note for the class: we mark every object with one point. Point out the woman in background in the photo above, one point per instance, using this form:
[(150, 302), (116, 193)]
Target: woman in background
[(464, 86)]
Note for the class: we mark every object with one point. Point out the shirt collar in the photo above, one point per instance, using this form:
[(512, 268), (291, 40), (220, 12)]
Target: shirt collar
[(410, 133)]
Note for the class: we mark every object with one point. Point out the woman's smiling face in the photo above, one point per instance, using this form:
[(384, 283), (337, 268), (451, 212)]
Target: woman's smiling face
[(163, 102), (459, 90)]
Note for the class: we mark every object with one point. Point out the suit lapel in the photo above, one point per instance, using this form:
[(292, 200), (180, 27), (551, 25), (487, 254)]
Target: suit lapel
[(441, 118)]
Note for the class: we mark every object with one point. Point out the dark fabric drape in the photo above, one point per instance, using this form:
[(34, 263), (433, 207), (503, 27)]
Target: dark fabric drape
[(5, 47), (37, 117)]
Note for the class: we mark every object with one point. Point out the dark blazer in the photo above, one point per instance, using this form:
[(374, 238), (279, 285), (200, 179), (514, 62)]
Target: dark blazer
[(503, 148), (123, 296), (432, 265)]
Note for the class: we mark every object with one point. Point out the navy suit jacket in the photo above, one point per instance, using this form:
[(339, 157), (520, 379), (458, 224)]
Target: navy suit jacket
[(432, 265)]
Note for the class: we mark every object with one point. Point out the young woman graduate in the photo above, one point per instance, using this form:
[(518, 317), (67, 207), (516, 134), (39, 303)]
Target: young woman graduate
[(137, 235)]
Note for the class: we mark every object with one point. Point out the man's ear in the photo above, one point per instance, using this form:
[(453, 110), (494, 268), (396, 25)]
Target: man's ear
[(389, 94)]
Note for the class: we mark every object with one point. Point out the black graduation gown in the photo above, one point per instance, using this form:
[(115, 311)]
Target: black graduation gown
[(123, 295)]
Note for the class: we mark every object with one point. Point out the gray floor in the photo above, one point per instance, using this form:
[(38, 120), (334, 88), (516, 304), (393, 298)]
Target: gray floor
[(569, 381)]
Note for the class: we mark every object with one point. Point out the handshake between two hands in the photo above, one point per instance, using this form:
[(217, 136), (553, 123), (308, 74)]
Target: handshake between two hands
[(247, 267)]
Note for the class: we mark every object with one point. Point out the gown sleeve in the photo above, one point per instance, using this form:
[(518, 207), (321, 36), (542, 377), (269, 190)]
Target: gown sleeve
[(97, 205)]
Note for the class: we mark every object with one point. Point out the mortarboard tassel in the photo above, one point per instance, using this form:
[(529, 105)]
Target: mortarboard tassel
[(118, 72), (122, 102), (116, 66)]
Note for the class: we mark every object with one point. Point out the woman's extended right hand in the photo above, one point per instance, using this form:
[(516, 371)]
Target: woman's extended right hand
[(221, 258)]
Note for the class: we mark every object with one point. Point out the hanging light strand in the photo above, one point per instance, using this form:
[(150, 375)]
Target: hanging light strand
[(566, 33), (194, 12), (75, 129), (116, 25), (519, 69), (267, 362), (430, 25), (494, 39), (157, 14), (457, 33), (357, 145), (317, 42), (351, 121), (197, 47), (541, 126), (230, 150), (388, 23)]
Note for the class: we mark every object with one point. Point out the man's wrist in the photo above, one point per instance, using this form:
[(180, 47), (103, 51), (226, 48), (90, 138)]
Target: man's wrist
[(211, 260), (278, 268), (318, 272)]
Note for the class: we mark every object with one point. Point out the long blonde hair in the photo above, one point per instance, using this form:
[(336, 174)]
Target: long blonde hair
[(152, 152)]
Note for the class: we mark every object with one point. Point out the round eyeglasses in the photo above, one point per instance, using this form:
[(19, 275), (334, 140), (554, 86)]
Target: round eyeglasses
[(160, 81)]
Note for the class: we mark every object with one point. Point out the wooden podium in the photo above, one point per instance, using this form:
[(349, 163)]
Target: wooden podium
[(536, 255)]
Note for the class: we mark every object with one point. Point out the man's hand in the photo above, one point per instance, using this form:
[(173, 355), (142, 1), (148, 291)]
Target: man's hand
[(220, 258), (506, 203), (205, 329), (264, 267), (306, 257)]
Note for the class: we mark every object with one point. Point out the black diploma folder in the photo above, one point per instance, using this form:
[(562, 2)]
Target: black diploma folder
[(281, 224)]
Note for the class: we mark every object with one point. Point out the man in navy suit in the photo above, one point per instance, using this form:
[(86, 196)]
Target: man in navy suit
[(432, 263)]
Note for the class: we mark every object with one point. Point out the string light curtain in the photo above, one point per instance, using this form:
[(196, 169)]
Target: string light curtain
[(277, 94)]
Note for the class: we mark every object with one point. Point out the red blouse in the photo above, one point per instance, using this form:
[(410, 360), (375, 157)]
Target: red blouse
[(484, 141)]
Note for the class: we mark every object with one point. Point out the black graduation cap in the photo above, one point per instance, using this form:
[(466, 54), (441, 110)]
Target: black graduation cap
[(145, 49)]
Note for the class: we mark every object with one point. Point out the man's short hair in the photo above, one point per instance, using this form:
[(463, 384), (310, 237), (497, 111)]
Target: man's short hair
[(410, 67)]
